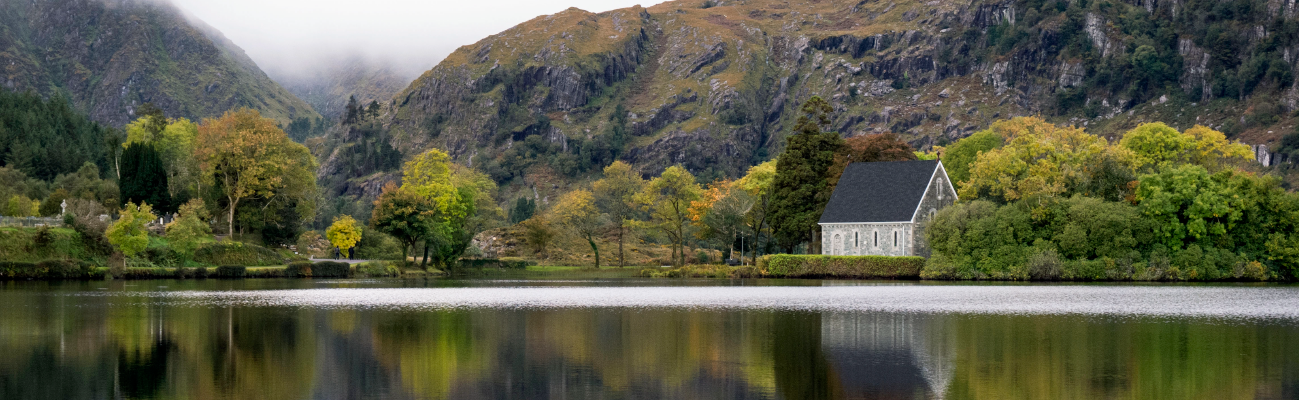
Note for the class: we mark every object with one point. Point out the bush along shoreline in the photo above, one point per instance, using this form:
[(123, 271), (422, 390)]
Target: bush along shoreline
[(81, 270)]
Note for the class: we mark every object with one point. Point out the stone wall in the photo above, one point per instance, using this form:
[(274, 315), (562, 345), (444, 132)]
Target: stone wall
[(877, 239)]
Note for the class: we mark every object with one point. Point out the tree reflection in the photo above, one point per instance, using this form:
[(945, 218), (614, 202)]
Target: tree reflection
[(57, 346)]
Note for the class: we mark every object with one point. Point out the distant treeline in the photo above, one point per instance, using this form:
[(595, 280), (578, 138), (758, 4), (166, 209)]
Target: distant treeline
[(44, 139)]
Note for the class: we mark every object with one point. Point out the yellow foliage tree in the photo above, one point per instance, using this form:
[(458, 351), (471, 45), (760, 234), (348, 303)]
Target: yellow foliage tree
[(248, 156), (668, 200), (615, 196), (1158, 146), (1042, 160), (577, 211), (344, 233)]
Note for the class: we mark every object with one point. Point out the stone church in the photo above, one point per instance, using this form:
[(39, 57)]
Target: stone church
[(881, 208)]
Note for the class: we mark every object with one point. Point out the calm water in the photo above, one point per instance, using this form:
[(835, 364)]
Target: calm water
[(690, 339)]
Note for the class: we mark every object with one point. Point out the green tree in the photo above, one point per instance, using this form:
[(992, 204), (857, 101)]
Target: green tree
[(523, 210), (577, 211), (668, 199), (344, 234), (53, 205), (144, 180), (404, 215), (615, 195), (801, 176), (128, 233), (958, 157), (190, 228)]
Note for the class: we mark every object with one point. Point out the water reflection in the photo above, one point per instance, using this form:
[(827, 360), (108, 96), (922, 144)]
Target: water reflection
[(73, 342)]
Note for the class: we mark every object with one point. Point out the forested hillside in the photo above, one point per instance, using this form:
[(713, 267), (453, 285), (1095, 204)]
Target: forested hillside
[(110, 57), (713, 85)]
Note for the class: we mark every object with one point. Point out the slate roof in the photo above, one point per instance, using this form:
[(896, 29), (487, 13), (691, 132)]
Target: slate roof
[(886, 191)]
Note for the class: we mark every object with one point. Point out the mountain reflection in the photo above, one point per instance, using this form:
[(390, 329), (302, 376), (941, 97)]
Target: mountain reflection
[(59, 344)]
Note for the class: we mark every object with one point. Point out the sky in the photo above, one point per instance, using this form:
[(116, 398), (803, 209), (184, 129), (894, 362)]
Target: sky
[(294, 36)]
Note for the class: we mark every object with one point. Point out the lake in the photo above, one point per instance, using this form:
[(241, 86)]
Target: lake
[(645, 339)]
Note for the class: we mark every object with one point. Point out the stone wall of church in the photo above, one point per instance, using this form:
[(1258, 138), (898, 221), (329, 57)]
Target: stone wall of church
[(879, 239), (937, 196)]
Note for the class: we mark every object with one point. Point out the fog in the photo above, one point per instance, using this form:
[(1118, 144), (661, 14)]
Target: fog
[(290, 37)]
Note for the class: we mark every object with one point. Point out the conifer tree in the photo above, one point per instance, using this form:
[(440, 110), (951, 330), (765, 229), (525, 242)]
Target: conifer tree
[(801, 173), (144, 181)]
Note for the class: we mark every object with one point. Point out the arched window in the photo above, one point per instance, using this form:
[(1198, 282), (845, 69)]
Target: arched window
[(835, 242), (875, 238), (895, 238)]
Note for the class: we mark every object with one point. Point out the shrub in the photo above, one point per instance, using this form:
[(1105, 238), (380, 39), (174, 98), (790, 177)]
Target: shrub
[(331, 269), (236, 253), (231, 271), (64, 269), (1045, 266), (299, 269), (861, 267), (378, 268), (201, 273)]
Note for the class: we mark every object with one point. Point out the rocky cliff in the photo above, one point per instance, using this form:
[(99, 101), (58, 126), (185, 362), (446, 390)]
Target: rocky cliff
[(110, 56), (715, 85)]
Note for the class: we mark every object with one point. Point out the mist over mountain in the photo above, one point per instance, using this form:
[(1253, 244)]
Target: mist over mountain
[(332, 82), (110, 57), (715, 85)]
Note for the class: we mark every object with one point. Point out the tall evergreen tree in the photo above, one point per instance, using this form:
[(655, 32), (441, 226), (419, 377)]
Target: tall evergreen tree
[(352, 112), (801, 173), (144, 180)]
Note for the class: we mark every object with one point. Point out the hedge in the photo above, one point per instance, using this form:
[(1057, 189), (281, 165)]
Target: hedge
[(298, 269), (236, 253), (504, 263), (49, 269), (231, 271), (857, 267), (331, 269)]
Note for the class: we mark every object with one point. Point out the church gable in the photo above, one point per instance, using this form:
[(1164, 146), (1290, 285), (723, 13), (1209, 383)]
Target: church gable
[(880, 192)]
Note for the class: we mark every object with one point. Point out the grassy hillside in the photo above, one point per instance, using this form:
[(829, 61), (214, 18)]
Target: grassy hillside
[(108, 58)]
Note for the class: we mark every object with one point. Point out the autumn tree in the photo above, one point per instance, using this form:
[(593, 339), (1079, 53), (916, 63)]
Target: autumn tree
[(404, 215), (344, 234), (615, 196), (1158, 146), (128, 233), (1041, 160), (801, 172), (246, 155), (667, 199), (758, 183), (720, 213), (189, 228), (866, 148), (457, 195), (576, 211)]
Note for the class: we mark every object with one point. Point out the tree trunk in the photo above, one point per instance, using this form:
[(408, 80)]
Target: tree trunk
[(233, 202), (620, 245), (816, 246), (424, 262), (594, 250)]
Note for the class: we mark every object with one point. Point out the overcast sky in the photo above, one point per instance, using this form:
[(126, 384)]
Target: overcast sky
[(294, 35)]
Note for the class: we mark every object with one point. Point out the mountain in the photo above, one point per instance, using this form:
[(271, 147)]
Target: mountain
[(110, 56), (716, 85), (328, 88)]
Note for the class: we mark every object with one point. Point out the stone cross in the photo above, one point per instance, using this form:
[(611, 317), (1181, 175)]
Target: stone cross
[(63, 207)]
